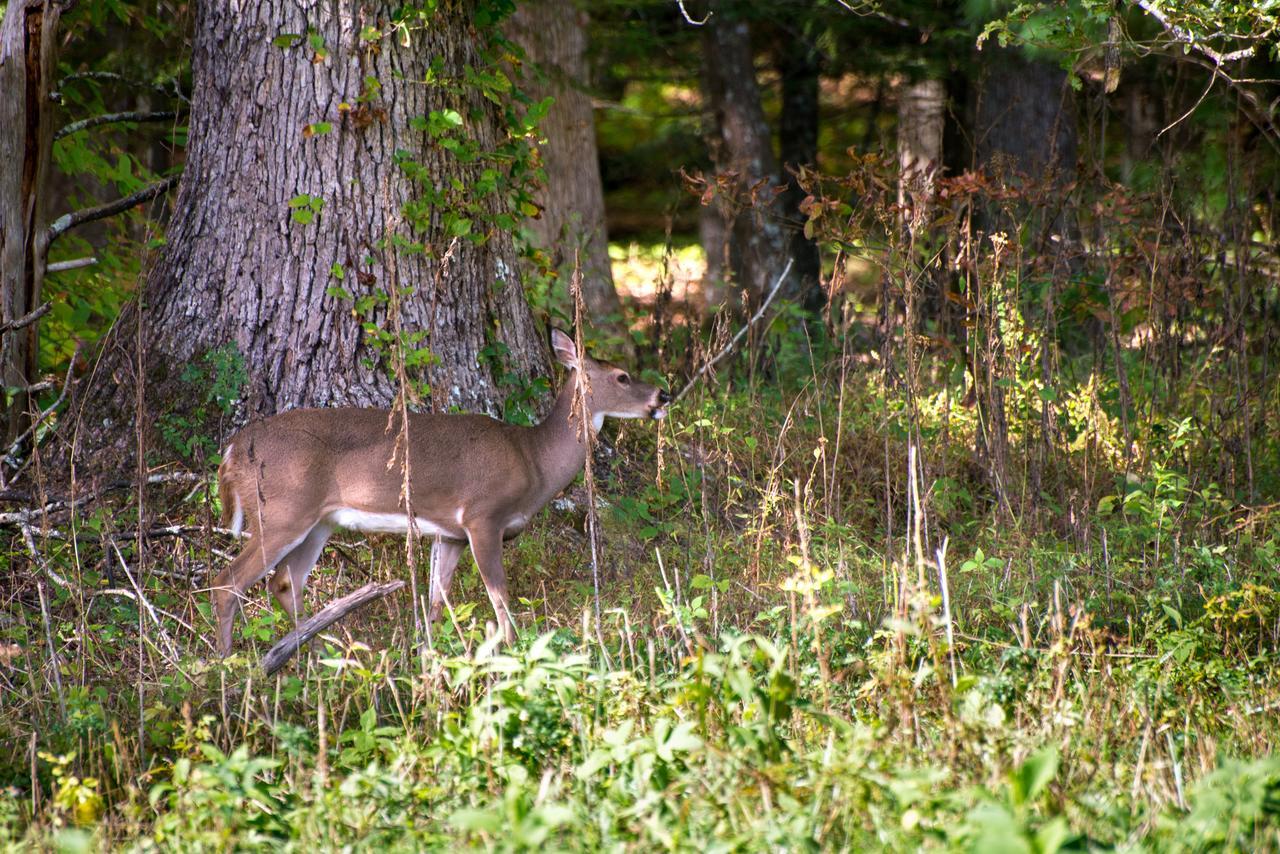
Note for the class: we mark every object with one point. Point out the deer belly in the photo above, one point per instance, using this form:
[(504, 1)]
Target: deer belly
[(387, 523)]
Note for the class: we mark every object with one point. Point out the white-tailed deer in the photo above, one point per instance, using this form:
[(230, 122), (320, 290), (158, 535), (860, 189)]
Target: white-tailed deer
[(291, 479)]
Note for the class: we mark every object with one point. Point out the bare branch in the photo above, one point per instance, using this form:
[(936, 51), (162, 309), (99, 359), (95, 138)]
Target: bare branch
[(685, 13), (62, 395), (66, 222), (743, 331), (73, 264), (1187, 37), (26, 319), (112, 118)]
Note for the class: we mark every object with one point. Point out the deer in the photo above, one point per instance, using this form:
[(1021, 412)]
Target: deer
[(291, 479)]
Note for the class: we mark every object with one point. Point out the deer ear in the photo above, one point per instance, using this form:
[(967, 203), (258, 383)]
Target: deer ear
[(562, 345)]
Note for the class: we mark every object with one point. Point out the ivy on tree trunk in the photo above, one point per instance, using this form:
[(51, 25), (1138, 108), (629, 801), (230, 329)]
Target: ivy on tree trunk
[(323, 135)]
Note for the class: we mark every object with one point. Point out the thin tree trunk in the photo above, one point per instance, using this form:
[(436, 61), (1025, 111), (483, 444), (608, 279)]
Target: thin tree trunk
[(798, 69), (305, 154), (28, 62), (553, 34), (921, 118), (741, 145)]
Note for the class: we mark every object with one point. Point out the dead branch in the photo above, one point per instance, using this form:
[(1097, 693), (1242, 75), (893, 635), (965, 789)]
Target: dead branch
[(53, 407), (288, 646), (736, 338), (73, 264), (68, 221), (26, 319), (112, 118)]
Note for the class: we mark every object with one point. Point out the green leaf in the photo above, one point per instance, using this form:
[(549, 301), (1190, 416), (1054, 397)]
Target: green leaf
[(1034, 774)]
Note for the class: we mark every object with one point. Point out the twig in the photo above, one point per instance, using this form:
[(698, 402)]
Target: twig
[(172, 650), (289, 645), (685, 13), (112, 118), (53, 651), (29, 540), (741, 332), (73, 264), (68, 221), (26, 319), (62, 395)]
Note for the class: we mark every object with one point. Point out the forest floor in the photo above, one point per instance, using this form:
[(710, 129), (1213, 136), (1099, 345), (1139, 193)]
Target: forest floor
[(820, 625)]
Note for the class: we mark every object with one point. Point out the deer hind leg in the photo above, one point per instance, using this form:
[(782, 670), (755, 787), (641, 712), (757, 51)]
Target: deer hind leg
[(260, 556), (486, 548), (444, 560), (289, 581)]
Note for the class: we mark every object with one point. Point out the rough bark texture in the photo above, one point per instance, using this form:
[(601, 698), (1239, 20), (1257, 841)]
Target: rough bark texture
[(28, 59), (741, 145), (921, 118), (1025, 118), (238, 268), (797, 64), (553, 34)]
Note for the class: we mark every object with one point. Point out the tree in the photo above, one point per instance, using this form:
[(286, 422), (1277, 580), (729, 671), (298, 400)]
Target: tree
[(28, 59), (796, 59), (741, 144), (553, 34), (346, 202)]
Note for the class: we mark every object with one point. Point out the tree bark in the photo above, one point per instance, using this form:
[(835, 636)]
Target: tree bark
[(1024, 121), (553, 34), (307, 155), (28, 63), (742, 150), (921, 118), (797, 64)]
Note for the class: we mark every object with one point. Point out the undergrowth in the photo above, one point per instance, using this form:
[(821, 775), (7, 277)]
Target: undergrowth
[(816, 633)]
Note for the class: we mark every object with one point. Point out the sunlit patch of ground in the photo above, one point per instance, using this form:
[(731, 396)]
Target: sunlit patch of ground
[(641, 270)]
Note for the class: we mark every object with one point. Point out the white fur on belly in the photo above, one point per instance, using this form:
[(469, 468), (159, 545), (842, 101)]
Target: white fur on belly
[(381, 523)]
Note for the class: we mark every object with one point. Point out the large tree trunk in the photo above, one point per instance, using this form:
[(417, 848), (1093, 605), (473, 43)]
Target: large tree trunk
[(28, 60), (1024, 119), (741, 145), (306, 154), (1024, 133), (553, 34)]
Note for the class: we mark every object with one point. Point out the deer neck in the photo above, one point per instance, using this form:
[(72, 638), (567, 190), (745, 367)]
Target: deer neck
[(559, 443)]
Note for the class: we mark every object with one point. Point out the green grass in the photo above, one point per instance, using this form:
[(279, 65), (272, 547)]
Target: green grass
[(774, 666)]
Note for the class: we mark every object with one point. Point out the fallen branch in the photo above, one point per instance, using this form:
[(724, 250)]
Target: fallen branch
[(279, 654), (734, 341), (66, 222)]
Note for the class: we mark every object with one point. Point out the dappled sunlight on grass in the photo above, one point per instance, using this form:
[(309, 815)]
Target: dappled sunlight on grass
[(639, 270)]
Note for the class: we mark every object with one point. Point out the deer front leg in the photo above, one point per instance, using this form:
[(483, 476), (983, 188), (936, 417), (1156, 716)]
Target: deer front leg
[(486, 548)]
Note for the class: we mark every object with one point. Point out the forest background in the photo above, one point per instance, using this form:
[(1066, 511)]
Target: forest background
[(963, 532)]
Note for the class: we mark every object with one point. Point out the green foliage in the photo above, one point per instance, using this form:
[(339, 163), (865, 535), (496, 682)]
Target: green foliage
[(214, 384)]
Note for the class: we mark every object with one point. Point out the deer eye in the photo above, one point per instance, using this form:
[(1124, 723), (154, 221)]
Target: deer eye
[(624, 379)]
